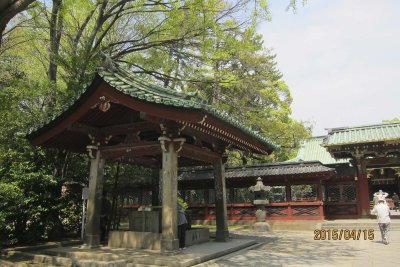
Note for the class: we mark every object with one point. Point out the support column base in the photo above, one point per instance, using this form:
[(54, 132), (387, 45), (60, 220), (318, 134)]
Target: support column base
[(169, 246), (365, 214), (91, 241), (222, 235), (262, 227)]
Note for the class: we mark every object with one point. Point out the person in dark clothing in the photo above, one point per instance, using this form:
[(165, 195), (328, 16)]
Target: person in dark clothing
[(104, 216), (182, 224), (395, 199)]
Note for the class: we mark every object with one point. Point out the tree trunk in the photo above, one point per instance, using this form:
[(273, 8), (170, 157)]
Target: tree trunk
[(56, 25), (8, 10)]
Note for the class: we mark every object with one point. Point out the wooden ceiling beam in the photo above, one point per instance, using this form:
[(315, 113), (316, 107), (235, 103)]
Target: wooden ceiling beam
[(142, 126), (131, 150), (126, 128), (197, 153), (84, 128), (139, 161)]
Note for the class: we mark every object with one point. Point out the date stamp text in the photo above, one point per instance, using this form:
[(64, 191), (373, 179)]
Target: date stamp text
[(344, 234)]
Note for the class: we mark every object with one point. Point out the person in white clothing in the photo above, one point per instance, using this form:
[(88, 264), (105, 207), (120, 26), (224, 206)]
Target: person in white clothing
[(381, 210), (380, 195)]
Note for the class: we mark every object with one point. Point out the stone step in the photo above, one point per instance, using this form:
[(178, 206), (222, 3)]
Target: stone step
[(40, 259), (94, 263), (32, 259), (83, 255), (143, 265)]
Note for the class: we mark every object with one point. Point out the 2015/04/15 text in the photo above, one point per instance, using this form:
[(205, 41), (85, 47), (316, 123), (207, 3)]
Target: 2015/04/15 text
[(346, 234)]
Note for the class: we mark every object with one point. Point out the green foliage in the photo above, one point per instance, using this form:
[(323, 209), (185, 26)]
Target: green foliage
[(207, 46), (31, 207)]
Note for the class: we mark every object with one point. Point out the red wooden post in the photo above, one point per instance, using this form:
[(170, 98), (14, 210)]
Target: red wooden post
[(363, 195), (289, 211), (321, 211), (320, 190)]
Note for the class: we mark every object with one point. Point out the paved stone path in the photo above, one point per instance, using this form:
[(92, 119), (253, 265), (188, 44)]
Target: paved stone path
[(298, 248)]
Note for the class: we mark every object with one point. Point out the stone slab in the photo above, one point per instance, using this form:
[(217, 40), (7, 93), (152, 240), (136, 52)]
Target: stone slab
[(196, 236), (131, 239)]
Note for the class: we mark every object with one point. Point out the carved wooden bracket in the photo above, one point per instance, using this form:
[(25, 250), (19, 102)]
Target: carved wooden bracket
[(90, 150), (165, 140), (103, 104)]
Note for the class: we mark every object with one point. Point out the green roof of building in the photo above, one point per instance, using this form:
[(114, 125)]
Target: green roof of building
[(382, 132), (311, 149), (260, 170), (137, 87)]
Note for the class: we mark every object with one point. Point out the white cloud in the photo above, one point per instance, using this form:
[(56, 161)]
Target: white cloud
[(341, 60)]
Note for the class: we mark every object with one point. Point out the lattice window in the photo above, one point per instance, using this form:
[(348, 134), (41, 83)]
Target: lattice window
[(211, 196), (277, 194), (332, 193), (133, 198), (305, 192), (341, 192), (242, 195), (349, 193), (146, 197), (194, 197)]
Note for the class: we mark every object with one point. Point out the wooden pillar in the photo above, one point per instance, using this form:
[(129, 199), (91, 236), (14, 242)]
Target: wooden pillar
[(169, 234), (92, 230), (222, 233), (288, 191), (362, 188), (320, 198)]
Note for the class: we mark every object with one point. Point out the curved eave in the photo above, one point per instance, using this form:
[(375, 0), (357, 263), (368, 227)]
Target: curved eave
[(242, 137), (73, 106)]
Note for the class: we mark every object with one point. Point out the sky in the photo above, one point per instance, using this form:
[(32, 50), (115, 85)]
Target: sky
[(341, 60)]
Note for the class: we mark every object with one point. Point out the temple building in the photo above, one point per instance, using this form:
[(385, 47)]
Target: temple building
[(332, 177), (122, 117)]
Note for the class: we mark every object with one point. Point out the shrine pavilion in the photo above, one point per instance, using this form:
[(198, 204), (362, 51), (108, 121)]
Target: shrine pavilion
[(121, 116)]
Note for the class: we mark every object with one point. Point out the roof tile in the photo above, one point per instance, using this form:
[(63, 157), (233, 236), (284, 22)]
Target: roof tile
[(363, 134)]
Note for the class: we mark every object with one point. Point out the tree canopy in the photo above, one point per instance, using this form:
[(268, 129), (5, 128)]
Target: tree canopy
[(51, 50)]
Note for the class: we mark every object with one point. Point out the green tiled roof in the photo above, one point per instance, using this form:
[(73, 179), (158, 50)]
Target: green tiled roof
[(262, 170), (311, 149), (137, 87), (363, 134)]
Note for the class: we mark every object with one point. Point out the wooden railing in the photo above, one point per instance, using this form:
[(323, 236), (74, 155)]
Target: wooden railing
[(312, 210), (341, 210)]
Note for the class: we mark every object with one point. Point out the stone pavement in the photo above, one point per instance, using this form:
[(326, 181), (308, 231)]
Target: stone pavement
[(298, 248), (119, 257), (277, 248)]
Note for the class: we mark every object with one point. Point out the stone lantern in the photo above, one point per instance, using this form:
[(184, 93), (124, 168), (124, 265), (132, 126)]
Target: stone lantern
[(261, 193)]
